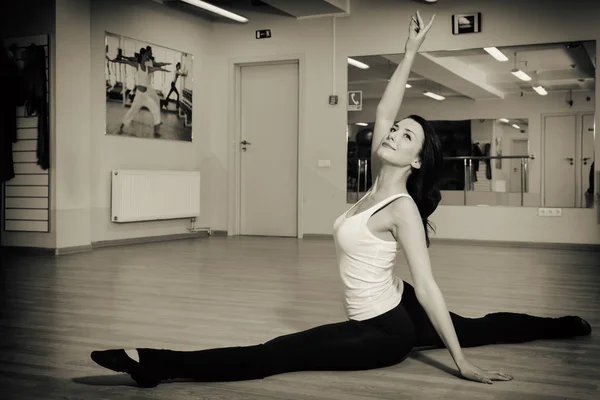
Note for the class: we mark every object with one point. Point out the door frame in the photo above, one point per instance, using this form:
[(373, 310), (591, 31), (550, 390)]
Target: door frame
[(583, 179), (578, 119), (528, 170), (234, 136)]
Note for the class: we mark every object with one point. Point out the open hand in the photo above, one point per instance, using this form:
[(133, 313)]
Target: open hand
[(417, 31), (473, 373)]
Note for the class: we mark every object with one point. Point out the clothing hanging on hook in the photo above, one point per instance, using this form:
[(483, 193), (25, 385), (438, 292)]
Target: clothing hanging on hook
[(36, 99), (9, 78)]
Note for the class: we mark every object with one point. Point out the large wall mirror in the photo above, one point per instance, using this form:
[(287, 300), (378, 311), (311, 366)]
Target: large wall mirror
[(516, 123)]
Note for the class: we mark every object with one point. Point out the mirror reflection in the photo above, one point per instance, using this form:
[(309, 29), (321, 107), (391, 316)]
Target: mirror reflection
[(516, 123)]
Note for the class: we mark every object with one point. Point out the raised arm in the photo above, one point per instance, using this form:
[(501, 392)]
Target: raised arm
[(390, 102), (409, 232), (126, 61), (156, 69)]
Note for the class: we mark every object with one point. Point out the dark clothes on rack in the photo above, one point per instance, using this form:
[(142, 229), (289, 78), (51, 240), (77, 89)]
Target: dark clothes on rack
[(36, 99), (488, 164), (9, 81), (475, 152), (591, 178), (24, 87)]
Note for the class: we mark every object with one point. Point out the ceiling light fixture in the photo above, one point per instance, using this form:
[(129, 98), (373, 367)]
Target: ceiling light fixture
[(516, 126), (521, 75), (497, 54), (434, 96), (504, 120), (408, 85), (540, 90), (217, 10), (357, 64), (362, 124)]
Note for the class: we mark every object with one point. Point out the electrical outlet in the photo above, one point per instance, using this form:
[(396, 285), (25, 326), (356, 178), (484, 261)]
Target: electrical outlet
[(549, 212)]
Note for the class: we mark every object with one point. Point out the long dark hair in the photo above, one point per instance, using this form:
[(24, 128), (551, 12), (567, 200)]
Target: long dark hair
[(423, 183)]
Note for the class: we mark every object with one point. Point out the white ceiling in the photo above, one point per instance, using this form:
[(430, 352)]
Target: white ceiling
[(476, 75)]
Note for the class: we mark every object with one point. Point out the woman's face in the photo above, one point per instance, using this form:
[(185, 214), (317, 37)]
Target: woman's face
[(402, 145)]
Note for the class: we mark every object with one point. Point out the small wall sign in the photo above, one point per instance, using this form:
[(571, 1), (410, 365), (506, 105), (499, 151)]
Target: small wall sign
[(263, 34), (466, 23)]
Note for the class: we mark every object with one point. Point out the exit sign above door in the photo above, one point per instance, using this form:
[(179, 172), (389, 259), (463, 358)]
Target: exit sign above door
[(263, 34)]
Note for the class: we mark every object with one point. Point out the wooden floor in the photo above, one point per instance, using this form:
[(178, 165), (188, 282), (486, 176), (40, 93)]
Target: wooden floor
[(218, 291)]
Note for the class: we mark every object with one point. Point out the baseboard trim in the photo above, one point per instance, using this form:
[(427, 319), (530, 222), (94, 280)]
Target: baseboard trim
[(29, 251), (529, 245), (317, 236), (147, 239), (306, 236), (494, 243), (61, 251)]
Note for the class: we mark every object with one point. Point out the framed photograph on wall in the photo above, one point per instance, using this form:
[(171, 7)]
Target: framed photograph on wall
[(149, 90), (466, 23)]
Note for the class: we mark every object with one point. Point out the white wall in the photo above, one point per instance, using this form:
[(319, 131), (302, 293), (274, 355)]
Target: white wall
[(375, 27), (72, 104), (82, 155), (379, 27), (163, 26)]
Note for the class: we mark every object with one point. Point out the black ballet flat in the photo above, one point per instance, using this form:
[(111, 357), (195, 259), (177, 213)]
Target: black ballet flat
[(579, 325), (584, 327), (118, 361)]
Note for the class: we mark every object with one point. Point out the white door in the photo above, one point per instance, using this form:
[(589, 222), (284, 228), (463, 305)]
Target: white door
[(559, 160), (587, 153), (269, 160), (519, 147)]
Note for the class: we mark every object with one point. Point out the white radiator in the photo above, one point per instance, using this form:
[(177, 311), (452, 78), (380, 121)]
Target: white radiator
[(154, 195)]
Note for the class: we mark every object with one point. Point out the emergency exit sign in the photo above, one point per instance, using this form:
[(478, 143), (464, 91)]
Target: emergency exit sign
[(263, 34)]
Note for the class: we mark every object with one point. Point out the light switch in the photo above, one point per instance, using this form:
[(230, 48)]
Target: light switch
[(324, 163)]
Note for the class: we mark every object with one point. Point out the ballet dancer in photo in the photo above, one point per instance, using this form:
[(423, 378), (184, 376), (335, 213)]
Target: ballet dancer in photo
[(145, 95), (177, 74), (387, 317)]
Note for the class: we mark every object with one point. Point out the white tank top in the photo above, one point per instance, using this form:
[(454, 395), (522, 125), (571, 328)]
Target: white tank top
[(143, 77), (366, 264)]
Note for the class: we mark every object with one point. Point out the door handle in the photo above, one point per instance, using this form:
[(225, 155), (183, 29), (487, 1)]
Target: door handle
[(585, 160), (244, 143), (570, 160)]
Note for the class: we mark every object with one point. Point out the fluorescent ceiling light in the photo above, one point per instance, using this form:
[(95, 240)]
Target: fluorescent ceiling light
[(504, 120), (408, 85), (357, 64), (521, 75), (516, 126), (217, 10), (497, 54), (434, 96), (541, 91), (362, 124)]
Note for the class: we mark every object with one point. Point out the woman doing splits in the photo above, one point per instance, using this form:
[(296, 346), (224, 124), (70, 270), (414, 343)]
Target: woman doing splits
[(145, 95), (387, 317)]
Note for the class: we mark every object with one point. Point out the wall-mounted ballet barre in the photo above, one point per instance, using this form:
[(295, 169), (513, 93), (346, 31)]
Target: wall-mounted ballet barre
[(363, 168), (468, 163)]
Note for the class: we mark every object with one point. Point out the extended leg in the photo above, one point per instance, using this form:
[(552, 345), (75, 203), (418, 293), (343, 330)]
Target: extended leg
[(347, 345), (493, 328), (138, 102)]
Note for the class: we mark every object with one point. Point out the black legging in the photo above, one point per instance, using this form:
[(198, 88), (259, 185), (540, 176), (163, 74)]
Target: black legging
[(352, 345), (173, 89)]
